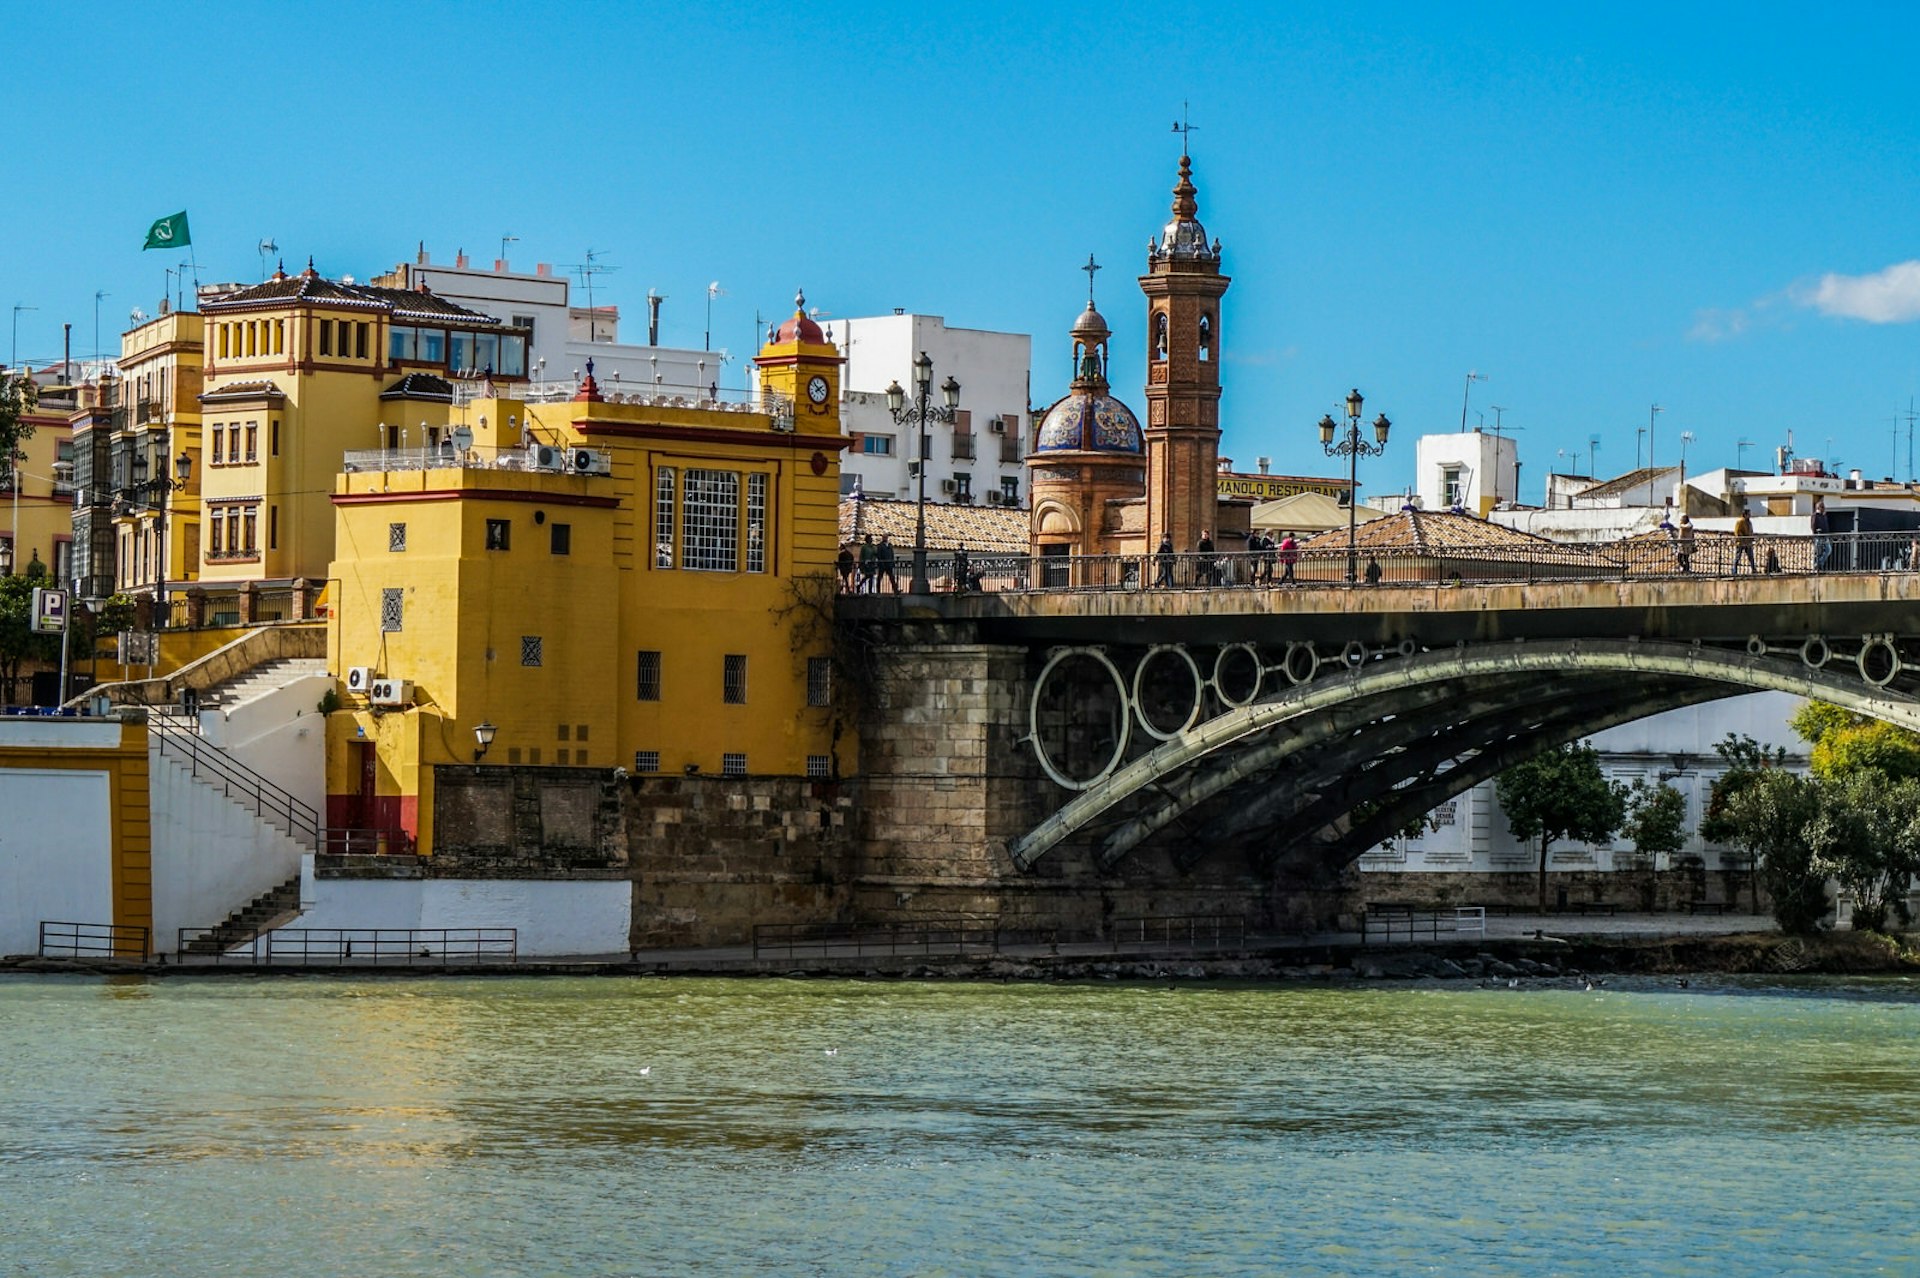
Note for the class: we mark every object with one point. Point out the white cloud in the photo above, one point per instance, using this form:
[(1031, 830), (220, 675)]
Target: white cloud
[(1715, 325), (1891, 296)]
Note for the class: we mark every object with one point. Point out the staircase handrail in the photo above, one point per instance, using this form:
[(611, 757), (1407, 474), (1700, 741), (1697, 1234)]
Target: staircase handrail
[(303, 822)]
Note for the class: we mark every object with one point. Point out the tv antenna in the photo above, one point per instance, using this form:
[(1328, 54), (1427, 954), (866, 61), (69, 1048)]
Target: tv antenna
[(1740, 447), (1910, 419), (588, 271), (1593, 446), (267, 249)]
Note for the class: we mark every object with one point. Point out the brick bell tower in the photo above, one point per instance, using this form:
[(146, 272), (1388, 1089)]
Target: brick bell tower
[(1183, 285)]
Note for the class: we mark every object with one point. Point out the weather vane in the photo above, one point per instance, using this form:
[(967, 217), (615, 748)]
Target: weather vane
[(1186, 129), (1090, 268)]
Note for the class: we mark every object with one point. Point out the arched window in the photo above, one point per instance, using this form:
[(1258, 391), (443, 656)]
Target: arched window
[(1206, 337), (1160, 335)]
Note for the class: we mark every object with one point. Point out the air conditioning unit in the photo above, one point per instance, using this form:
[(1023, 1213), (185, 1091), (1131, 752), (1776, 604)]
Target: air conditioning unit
[(949, 486), (591, 461), (391, 692), (359, 680), (995, 497), (998, 426), (546, 457), (913, 470)]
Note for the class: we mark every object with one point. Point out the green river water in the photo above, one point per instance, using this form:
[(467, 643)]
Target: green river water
[(510, 1126)]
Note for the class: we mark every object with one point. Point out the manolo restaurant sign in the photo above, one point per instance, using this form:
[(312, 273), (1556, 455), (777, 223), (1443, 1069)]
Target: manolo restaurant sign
[(1267, 487)]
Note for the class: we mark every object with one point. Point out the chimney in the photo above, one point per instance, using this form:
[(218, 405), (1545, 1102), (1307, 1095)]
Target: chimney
[(653, 317), (544, 268), (499, 266), (1263, 463), (460, 261)]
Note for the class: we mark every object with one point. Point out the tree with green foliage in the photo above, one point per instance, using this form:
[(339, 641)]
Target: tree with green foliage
[(18, 642), (1656, 819), (1561, 794), (1772, 815), (1747, 760), (1866, 835), (18, 395), (1845, 743)]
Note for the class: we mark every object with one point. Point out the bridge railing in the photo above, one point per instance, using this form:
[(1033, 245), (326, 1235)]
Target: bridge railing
[(1663, 553)]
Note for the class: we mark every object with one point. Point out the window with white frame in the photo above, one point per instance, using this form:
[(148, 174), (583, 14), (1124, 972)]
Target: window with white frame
[(711, 507), (756, 523), (663, 521)]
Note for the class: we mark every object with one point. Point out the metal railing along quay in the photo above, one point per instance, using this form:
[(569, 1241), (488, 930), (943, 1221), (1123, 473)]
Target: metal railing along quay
[(364, 946), (948, 938), (94, 940), (1411, 923)]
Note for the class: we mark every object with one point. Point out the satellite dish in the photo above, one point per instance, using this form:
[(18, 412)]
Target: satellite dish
[(136, 315), (462, 438), (268, 246)]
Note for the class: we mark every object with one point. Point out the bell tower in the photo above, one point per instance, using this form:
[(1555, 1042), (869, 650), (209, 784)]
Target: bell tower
[(1184, 286)]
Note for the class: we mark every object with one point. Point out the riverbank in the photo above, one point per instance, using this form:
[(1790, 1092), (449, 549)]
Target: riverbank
[(1520, 954)]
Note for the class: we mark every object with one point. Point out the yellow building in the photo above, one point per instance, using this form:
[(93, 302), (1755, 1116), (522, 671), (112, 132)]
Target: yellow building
[(594, 583), (301, 370), (35, 516), (136, 524)]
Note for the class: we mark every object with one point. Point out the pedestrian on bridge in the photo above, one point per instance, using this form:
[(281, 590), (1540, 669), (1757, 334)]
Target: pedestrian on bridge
[(1743, 544), (1683, 543), (1822, 544), (844, 565), (1164, 555), (883, 559), (869, 566), (1289, 556), (1203, 564)]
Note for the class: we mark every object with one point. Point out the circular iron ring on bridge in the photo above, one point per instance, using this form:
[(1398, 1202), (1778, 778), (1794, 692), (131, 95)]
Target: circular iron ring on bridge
[(1815, 653), (1879, 660), (1033, 719), (1301, 662), (1221, 676), (1147, 725), (1354, 655), (1756, 646), (1408, 647)]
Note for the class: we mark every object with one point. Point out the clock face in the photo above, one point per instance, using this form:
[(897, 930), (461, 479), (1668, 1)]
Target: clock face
[(817, 390)]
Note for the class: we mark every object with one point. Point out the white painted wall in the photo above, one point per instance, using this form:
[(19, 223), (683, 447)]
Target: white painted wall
[(555, 918), (279, 734), (994, 372), (56, 851), (210, 854), (1487, 462)]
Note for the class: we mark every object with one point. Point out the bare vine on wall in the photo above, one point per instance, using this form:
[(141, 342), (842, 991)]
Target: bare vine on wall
[(815, 628)]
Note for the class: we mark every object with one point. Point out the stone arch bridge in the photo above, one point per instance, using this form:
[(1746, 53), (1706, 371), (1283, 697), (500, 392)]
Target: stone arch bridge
[(1156, 752)]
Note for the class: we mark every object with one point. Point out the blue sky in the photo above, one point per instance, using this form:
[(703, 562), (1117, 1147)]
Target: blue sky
[(1600, 207)]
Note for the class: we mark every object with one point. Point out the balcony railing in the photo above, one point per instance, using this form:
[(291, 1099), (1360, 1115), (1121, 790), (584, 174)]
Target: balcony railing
[(963, 448)]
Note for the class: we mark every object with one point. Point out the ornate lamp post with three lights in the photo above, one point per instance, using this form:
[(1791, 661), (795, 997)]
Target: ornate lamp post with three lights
[(1352, 447), (918, 414), (152, 494)]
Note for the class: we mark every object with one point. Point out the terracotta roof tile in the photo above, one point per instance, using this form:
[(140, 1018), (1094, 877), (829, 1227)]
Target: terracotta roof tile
[(998, 530)]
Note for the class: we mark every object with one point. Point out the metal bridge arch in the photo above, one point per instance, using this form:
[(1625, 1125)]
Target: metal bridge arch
[(1554, 690)]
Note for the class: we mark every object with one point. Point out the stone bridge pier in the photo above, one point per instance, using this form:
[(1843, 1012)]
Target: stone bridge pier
[(950, 782)]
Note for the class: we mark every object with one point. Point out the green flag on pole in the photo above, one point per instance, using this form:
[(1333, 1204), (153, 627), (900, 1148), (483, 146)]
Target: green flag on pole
[(168, 232)]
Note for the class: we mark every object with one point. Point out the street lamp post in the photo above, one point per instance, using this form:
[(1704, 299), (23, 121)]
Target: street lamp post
[(918, 414), (153, 494), (1352, 447)]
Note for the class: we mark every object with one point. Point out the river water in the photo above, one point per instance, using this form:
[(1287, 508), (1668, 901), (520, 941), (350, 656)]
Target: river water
[(514, 1126)]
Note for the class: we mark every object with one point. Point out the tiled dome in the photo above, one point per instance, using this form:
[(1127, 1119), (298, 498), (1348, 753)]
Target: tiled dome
[(1089, 423)]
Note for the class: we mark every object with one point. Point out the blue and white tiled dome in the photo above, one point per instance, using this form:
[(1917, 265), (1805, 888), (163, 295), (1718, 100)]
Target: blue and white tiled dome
[(1086, 422)]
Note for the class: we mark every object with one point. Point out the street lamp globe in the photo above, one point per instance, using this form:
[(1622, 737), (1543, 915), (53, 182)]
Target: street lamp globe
[(951, 390), (1354, 401), (896, 397), (922, 375), (1327, 428), (1380, 428)]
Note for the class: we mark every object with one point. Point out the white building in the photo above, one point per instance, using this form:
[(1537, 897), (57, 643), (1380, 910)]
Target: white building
[(1472, 470), (977, 458), (1469, 833), (566, 336)]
